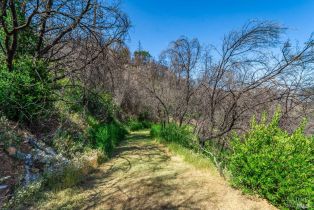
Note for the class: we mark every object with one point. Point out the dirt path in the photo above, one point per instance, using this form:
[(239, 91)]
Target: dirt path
[(143, 175)]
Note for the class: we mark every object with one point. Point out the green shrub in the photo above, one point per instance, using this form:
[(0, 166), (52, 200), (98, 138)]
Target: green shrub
[(277, 165), (155, 131), (107, 136), (25, 93), (135, 125), (145, 116), (80, 99), (174, 133), (101, 106)]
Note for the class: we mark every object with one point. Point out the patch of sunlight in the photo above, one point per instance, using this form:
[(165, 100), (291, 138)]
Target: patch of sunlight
[(196, 159)]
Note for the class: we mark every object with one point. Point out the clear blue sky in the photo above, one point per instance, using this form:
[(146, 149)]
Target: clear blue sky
[(157, 22)]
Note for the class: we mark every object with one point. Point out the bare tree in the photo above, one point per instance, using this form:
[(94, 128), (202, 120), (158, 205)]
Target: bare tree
[(248, 78), (67, 32), (182, 58)]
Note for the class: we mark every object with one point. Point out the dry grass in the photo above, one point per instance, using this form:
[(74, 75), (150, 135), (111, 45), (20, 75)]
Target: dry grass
[(144, 175)]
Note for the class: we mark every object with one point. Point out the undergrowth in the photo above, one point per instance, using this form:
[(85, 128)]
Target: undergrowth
[(275, 164), (135, 124), (181, 141), (107, 136), (87, 133)]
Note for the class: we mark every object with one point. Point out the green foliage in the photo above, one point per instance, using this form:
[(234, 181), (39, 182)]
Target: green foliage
[(99, 105), (155, 130), (277, 165), (27, 39), (107, 136), (142, 55), (136, 125), (89, 122), (25, 92), (174, 133)]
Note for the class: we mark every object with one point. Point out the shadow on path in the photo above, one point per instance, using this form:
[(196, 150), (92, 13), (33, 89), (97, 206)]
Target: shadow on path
[(143, 175)]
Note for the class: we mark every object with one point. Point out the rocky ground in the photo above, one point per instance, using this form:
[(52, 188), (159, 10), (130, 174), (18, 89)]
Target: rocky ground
[(27, 162)]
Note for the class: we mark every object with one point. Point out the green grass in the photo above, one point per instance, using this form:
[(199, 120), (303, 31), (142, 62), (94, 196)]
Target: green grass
[(196, 159), (179, 140)]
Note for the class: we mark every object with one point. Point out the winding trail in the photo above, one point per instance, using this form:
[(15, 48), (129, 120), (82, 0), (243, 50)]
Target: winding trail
[(145, 175)]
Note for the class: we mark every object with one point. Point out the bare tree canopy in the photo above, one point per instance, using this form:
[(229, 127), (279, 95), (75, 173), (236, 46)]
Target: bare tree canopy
[(62, 28), (220, 89)]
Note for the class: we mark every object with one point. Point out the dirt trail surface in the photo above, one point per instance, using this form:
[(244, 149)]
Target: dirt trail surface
[(144, 175)]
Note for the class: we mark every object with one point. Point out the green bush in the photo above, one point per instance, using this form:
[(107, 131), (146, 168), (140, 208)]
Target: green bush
[(136, 125), (275, 164), (107, 136), (99, 105), (155, 131), (25, 93)]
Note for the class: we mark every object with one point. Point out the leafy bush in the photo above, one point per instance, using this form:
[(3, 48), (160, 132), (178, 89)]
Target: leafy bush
[(155, 131), (174, 133), (136, 125), (99, 105), (25, 92), (277, 165), (107, 136)]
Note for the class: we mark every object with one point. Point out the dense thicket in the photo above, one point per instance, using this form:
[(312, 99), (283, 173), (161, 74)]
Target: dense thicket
[(274, 163)]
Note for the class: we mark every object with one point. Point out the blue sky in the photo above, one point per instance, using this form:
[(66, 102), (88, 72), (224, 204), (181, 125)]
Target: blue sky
[(157, 22)]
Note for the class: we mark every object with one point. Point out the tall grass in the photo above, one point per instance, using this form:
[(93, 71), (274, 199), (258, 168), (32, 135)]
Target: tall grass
[(155, 131), (181, 135), (107, 136), (182, 141)]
